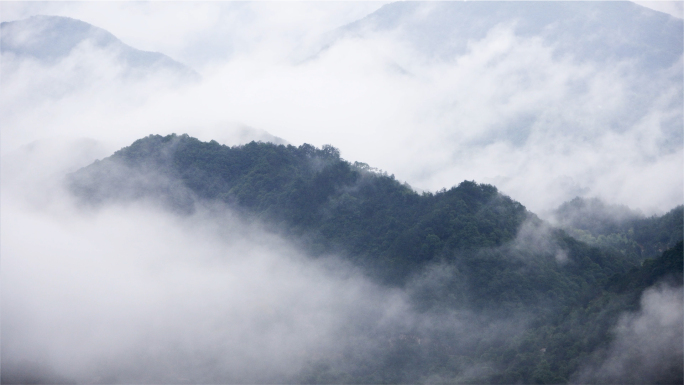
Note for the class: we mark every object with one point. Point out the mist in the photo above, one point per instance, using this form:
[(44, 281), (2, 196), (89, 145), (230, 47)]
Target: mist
[(647, 346), (133, 293), (543, 122)]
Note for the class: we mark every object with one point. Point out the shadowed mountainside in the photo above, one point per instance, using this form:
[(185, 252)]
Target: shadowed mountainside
[(466, 249), (617, 228)]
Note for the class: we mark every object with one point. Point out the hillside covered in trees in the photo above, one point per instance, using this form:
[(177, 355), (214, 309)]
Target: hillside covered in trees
[(620, 229), (464, 250)]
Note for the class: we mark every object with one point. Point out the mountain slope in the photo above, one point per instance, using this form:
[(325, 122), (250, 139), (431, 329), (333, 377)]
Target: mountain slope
[(49, 39), (336, 205), (597, 31), (333, 206), (619, 229), (542, 78), (464, 252)]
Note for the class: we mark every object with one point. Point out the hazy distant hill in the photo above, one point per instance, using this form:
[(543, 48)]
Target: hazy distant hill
[(494, 294), (49, 39), (586, 43), (600, 31)]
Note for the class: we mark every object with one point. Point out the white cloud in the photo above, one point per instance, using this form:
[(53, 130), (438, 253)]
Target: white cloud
[(648, 344), (130, 293), (672, 8), (93, 294), (133, 294), (510, 110), (201, 34)]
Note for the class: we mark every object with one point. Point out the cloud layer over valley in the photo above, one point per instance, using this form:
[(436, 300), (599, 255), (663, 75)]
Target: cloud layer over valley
[(545, 101), (130, 293), (133, 294)]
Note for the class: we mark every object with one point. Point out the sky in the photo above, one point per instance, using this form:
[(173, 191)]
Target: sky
[(285, 69), (88, 295)]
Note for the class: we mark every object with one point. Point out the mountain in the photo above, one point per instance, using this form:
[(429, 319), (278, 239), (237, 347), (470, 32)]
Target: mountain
[(50, 39), (620, 229), (593, 215), (181, 261), (549, 77), (601, 31), (334, 204), (468, 249)]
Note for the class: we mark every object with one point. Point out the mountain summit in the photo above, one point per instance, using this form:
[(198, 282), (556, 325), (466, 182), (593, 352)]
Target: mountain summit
[(601, 31), (465, 250), (50, 39)]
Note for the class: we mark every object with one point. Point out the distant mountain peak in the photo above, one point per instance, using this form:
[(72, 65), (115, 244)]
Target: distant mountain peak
[(49, 39), (599, 31)]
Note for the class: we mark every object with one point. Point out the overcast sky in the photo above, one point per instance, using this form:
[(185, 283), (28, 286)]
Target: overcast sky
[(582, 128), (674, 8)]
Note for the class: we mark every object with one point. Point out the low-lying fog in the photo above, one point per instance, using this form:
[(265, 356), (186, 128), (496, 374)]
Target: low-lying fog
[(134, 294), (131, 293)]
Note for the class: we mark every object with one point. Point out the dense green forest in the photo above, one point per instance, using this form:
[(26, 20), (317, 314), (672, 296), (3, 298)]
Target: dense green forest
[(568, 285), (620, 229)]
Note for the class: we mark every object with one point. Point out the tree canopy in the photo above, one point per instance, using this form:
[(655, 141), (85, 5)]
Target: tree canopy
[(571, 283)]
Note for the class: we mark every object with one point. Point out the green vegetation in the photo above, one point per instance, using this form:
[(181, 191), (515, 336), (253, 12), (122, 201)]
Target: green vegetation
[(497, 262), (312, 193), (617, 228)]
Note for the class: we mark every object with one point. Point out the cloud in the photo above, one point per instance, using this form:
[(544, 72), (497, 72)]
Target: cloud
[(200, 34), (133, 294), (648, 343), (543, 124)]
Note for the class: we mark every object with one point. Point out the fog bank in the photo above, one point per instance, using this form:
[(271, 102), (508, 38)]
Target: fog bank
[(135, 295), (648, 343), (541, 119)]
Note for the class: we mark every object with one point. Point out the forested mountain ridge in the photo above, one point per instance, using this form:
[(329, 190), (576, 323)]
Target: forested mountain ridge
[(337, 205), (620, 229), (494, 257), (580, 336)]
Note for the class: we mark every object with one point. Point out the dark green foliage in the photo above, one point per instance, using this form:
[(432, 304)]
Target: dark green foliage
[(376, 221), (587, 327), (667, 267), (656, 234), (469, 253), (617, 228)]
